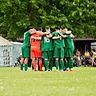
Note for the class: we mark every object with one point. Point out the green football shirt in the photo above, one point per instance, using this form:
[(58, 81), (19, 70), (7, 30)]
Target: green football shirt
[(46, 44), (69, 42), (26, 39), (57, 42)]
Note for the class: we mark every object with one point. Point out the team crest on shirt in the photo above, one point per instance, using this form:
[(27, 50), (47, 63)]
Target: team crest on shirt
[(46, 39)]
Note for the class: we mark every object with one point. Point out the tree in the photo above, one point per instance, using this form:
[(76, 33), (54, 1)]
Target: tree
[(77, 15)]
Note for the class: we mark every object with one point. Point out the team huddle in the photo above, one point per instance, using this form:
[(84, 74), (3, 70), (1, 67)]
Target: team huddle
[(48, 49)]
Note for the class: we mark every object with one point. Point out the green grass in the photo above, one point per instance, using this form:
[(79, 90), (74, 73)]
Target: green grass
[(80, 82)]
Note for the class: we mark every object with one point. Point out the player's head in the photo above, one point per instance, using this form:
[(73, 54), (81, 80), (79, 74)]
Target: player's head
[(40, 29), (65, 30), (68, 32), (47, 29), (93, 50), (31, 29), (57, 28), (61, 29)]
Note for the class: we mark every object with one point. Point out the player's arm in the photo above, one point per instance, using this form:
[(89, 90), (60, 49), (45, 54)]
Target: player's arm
[(72, 36), (46, 33), (42, 33), (37, 38), (56, 37), (32, 37), (32, 32), (64, 36), (49, 35)]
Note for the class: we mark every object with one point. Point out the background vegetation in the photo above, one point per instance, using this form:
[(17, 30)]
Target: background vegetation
[(77, 15)]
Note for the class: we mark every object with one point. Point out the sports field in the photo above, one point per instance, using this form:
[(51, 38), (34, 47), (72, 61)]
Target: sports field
[(80, 82)]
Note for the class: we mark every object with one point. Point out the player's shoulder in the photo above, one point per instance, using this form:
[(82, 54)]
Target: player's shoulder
[(39, 33), (54, 32), (26, 33), (63, 33)]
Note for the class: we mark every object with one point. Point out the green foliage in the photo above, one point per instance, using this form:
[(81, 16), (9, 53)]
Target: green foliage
[(77, 15)]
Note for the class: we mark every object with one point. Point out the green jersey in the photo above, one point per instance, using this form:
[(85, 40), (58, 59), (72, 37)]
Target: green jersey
[(26, 39), (57, 42), (46, 44), (69, 42)]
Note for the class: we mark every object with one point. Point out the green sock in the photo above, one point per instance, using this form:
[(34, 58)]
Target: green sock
[(46, 64), (66, 64), (51, 64), (64, 67), (70, 61), (61, 64), (26, 67), (56, 64), (21, 66)]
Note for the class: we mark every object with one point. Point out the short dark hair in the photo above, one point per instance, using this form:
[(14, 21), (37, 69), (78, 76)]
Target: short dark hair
[(40, 29), (93, 50), (30, 27), (47, 27), (57, 28)]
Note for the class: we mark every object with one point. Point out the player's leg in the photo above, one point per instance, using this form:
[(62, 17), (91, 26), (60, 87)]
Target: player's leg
[(39, 56), (46, 64), (50, 64), (61, 64), (33, 57), (22, 59), (26, 55), (34, 63), (26, 63), (56, 56), (67, 58), (50, 56), (57, 63), (40, 64), (45, 58), (70, 61), (61, 59), (21, 63), (65, 63)]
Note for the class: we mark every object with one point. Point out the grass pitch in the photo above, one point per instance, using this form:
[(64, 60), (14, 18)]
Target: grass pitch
[(80, 82)]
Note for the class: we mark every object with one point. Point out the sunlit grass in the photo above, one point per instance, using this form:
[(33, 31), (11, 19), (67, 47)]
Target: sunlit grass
[(80, 82)]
